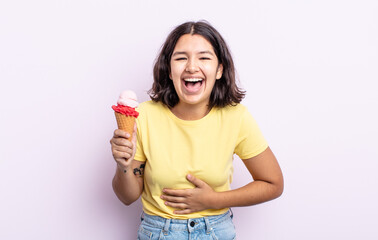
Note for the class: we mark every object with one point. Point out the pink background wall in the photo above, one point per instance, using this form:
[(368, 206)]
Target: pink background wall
[(310, 70)]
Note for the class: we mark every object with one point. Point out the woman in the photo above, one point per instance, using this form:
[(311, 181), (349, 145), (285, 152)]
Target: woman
[(184, 140)]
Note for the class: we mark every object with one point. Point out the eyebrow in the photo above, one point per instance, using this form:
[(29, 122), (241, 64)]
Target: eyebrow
[(201, 52), (178, 53), (206, 52)]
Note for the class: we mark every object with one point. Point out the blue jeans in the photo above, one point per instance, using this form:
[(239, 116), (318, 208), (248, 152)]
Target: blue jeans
[(218, 227)]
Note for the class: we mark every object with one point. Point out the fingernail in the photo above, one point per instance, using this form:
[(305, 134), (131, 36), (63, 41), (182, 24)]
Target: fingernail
[(189, 176)]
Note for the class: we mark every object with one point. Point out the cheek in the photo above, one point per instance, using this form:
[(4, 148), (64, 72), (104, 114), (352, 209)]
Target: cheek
[(211, 71), (176, 71), (174, 76)]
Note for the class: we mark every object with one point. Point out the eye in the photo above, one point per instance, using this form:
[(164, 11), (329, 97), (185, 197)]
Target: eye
[(205, 58), (180, 59)]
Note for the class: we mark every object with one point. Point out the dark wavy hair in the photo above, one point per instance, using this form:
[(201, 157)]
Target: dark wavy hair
[(225, 91)]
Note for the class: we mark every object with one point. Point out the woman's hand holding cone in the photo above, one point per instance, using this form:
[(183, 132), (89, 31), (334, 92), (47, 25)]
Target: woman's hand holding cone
[(123, 150)]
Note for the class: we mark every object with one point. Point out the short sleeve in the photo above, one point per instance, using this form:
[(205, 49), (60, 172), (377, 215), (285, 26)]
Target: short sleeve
[(250, 141), (139, 154)]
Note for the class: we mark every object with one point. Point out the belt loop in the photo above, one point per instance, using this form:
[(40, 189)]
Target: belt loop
[(231, 214), (166, 226), (208, 226)]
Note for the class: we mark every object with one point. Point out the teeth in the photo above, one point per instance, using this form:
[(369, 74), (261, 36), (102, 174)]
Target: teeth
[(193, 79)]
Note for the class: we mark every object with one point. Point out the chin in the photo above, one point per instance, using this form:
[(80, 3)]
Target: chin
[(194, 101)]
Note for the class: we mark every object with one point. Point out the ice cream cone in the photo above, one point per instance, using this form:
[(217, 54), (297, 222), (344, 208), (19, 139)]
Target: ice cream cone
[(125, 112), (125, 123)]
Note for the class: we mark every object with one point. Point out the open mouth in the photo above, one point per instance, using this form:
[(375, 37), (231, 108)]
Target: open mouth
[(193, 84)]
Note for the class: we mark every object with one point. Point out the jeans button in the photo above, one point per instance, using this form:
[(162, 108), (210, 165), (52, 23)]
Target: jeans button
[(192, 223)]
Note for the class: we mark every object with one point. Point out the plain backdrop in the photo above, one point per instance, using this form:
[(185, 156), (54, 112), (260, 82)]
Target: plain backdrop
[(310, 69)]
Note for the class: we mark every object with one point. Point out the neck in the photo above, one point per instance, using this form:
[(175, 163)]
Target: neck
[(190, 112)]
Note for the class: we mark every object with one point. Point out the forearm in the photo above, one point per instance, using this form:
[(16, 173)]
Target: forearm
[(251, 194), (127, 186), (268, 183)]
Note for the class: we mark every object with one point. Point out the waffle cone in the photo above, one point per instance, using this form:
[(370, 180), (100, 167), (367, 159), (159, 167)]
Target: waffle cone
[(125, 123)]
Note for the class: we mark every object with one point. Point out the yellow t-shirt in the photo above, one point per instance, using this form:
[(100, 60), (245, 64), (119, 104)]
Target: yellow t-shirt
[(172, 148)]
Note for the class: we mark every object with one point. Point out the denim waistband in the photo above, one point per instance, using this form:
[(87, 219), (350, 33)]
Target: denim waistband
[(190, 225)]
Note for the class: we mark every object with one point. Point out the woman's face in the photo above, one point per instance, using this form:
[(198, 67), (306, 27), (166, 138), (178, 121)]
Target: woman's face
[(194, 69)]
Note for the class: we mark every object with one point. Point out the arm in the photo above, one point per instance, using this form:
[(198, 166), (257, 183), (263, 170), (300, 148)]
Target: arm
[(267, 185), (128, 179), (128, 186)]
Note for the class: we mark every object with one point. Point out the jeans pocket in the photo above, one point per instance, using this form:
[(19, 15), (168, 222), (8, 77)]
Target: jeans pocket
[(224, 230), (143, 234)]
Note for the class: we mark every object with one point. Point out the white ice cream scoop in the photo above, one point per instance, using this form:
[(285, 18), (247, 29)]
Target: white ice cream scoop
[(128, 98)]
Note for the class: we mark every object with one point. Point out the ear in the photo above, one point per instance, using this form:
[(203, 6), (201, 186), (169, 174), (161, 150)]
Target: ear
[(219, 72)]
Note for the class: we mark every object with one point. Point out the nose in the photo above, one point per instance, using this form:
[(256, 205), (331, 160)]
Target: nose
[(192, 66)]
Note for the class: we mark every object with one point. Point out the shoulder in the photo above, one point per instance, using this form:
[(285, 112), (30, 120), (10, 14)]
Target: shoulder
[(151, 110), (232, 115), (148, 106), (238, 114), (237, 109)]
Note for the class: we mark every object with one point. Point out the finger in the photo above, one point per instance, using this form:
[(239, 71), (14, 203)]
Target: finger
[(122, 148), (120, 151), (176, 192), (179, 206), (119, 156), (197, 182), (122, 142), (118, 133), (184, 211), (173, 199)]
